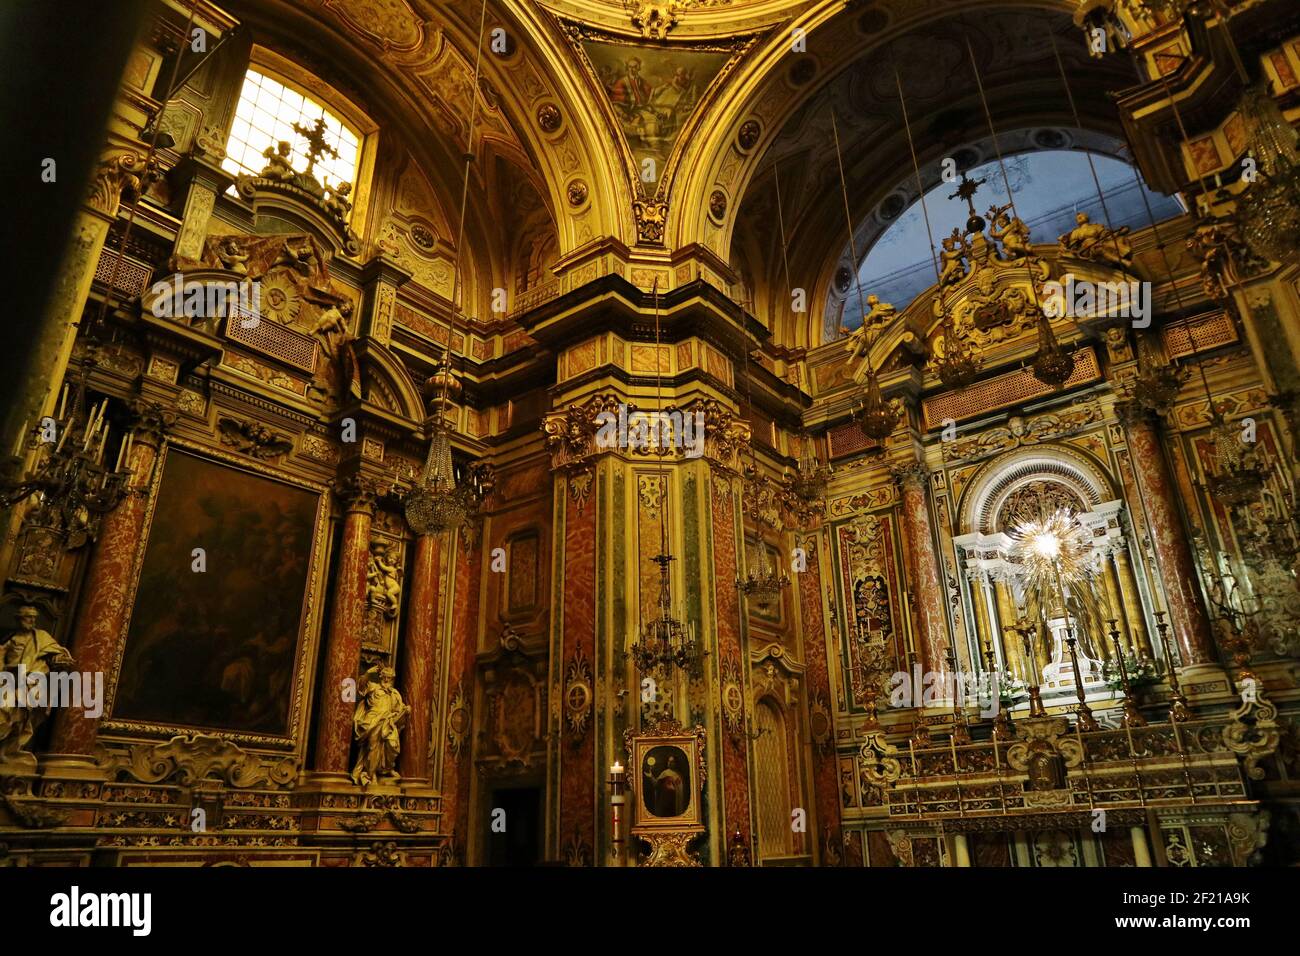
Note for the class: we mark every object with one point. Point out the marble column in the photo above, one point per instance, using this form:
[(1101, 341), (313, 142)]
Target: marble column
[(105, 607), (826, 773), (927, 586), (1174, 561), (960, 850), (419, 653), (343, 646)]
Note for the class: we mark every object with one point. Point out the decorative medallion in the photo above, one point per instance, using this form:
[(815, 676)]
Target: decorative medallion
[(577, 695), (718, 206), (458, 720), (578, 193), (423, 236), (733, 700), (820, 725), (747, 138), (549, 117)]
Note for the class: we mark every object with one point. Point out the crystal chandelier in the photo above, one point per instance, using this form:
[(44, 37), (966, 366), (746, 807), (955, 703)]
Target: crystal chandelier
[(665, 642), (1157, 383), (1052, 365), (811, 476), (762, 583), (1270, 206), (72, 487), (438, 503)]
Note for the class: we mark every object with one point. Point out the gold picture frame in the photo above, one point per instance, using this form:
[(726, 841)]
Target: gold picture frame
[(666, 775)]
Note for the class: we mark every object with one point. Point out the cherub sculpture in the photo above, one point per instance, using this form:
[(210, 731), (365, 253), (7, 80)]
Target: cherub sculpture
[(377, 726), (1010, 231), (953, 258), (233, 256), (337, 203), (277, 163), (383, 580)]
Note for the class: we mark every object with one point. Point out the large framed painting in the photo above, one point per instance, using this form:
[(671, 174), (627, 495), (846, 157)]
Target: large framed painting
[(224, 603), (666, 779)]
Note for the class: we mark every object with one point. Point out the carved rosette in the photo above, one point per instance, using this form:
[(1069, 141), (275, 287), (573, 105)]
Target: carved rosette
[(733, 700)]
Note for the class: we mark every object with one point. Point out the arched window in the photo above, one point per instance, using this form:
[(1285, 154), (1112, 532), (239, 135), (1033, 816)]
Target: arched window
[(268, 110), (1050, 186)]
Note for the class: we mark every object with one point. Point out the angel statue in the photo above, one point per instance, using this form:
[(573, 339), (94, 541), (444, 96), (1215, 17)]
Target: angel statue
[(953, 258), (383, 580), (377, 726), (1010, 231)]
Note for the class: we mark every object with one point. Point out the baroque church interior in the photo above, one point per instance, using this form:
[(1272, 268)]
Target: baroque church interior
[(726, 433)]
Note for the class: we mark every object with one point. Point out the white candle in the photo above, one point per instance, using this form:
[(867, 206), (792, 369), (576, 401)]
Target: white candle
[(22, 440), (617, 769)]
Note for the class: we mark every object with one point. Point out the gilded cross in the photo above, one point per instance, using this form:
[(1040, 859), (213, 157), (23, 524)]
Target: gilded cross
[(316, 145)]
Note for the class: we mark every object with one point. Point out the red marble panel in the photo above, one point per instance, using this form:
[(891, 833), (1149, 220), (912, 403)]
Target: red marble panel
[(343, 648), (457, 768), (826, 791), (578, 779), (735, 772)]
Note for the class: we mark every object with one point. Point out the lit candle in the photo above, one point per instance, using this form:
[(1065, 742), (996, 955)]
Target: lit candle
[(617, 769), (63, 401)]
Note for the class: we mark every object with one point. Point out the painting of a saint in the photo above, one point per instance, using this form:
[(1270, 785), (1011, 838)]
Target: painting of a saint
[(666, 781), (653, 93), (214, 634)]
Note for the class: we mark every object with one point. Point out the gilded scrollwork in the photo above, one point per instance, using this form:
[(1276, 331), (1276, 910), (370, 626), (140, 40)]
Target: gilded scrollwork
[(189, 759)]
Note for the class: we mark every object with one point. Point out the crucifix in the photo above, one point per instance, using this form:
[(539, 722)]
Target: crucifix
[(966, 190), (316, 145)]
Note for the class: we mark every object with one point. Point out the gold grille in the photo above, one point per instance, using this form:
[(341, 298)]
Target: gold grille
[(278, 341), (1198, 334), (132, 275), (848, 440), (1003, 390)]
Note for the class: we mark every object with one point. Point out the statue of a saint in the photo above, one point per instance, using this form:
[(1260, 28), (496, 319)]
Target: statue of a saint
[(26, 657), (377, 725)]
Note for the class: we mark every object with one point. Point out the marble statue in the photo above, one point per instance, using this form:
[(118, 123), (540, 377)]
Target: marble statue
[(337, 203), (28, 653), (377, 725)]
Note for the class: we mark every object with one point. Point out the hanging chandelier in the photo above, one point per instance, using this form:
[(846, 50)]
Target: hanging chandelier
[(1233, 472), (1157, 383), (438, 503), (1052, 365), (810, 477), (959, 365), (762, 583), (875, 416), (1269, 208), (665, 642)]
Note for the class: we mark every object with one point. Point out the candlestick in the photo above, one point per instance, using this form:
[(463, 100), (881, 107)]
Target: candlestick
[(22, 439)]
